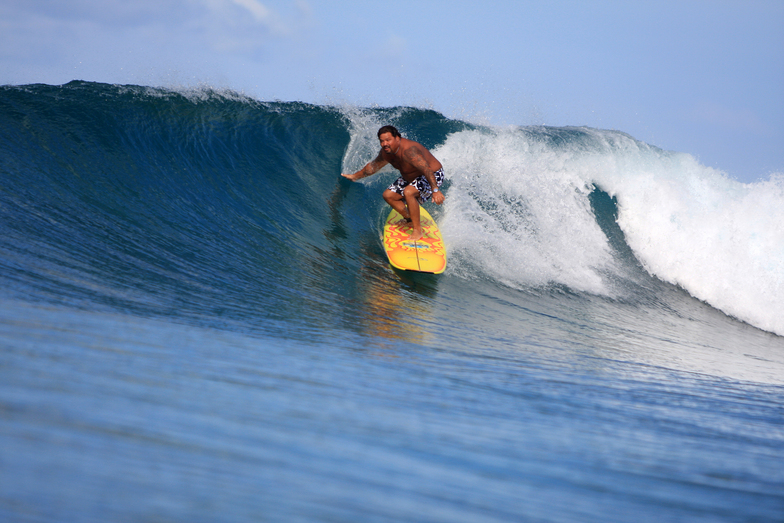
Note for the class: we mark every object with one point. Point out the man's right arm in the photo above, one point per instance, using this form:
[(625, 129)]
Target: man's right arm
[(371, 168)]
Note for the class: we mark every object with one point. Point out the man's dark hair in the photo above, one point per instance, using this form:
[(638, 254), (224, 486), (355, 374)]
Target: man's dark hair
[(388, 129)]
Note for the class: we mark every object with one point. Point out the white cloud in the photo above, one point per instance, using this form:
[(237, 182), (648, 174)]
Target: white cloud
[(259, 11), (239, 15)]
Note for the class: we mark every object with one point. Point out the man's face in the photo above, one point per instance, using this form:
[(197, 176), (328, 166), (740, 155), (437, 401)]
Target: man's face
[(389, 143)]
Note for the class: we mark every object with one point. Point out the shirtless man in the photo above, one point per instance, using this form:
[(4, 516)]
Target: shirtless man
[(420, 175)]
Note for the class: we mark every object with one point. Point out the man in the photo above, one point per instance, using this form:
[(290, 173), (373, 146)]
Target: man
[(421, 175)]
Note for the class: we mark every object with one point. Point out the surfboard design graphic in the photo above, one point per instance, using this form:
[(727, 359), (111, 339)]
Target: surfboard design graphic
[(425, 255)]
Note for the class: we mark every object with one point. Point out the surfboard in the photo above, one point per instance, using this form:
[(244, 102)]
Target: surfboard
[(425, 255)]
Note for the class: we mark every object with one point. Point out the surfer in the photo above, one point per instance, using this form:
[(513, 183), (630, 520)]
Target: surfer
[(421, 175)]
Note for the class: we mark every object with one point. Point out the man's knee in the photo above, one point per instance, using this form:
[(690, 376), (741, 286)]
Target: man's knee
[(391, 196), (410, 191)]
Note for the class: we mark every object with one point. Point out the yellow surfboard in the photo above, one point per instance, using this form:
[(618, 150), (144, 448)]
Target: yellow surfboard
[(425, 255)]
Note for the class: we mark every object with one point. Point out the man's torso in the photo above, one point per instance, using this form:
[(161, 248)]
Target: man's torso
[(400, 161)]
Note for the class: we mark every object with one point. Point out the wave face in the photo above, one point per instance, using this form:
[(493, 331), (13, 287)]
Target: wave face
[(212, 205), (192, 204)]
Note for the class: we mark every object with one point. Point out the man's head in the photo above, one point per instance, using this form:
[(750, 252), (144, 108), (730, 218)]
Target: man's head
[(388, 129), (389, 137)]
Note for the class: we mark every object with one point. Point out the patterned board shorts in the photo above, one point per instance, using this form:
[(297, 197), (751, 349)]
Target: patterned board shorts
[(421, 183)]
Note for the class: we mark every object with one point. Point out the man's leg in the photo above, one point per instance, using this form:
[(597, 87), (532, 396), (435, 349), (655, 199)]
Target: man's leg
[(411, 195), (395, 200)]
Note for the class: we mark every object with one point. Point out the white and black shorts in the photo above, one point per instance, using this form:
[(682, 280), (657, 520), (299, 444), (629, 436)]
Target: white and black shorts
[(421, 183)]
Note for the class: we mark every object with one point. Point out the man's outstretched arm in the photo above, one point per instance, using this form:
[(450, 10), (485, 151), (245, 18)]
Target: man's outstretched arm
[(371, 167)]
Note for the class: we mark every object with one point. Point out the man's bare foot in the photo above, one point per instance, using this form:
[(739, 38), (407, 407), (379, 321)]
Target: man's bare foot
[(406, 220), (405, 223), (416, 235)]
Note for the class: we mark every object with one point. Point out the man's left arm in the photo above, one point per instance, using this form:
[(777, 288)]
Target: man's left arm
[(416, 159)]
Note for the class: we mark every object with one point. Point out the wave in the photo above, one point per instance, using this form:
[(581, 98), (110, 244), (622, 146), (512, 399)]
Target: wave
[(214, 205), (523, 208)]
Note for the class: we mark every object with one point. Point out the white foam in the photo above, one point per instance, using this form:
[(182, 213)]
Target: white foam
[(721, 240), (364, 145), (518, 211)]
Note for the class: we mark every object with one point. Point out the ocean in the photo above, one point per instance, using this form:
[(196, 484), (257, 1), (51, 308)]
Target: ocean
[(198, 322)]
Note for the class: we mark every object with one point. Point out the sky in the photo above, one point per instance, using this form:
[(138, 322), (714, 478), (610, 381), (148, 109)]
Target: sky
[(700, 77)]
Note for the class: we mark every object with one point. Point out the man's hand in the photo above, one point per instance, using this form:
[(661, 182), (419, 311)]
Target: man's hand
[(438, 197), (352, 177)]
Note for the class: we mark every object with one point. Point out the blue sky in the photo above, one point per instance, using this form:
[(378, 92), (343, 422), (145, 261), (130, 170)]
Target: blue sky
[(702, 77)]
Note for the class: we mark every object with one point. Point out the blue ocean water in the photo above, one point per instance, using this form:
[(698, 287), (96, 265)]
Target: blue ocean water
[(198, 322)]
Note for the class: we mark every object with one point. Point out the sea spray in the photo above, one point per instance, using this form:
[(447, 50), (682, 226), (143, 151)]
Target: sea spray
[(518, 211), (719, 239)]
